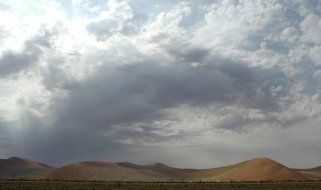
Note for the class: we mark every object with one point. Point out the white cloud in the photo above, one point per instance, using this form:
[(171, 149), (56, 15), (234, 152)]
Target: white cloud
[(111, 20), (311, 27)]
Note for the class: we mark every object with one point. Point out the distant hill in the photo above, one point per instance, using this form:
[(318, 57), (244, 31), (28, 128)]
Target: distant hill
[(259, 169), (311, 173), (22, 168)]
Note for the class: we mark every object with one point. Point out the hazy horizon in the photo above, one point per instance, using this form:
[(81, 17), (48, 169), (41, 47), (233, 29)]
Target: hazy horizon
[(191, 84)]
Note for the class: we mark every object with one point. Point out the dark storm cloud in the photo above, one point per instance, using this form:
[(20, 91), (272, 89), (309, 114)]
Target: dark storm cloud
[(137, 92), (13, 62), (7, 144), (101, 111), (4, 131)]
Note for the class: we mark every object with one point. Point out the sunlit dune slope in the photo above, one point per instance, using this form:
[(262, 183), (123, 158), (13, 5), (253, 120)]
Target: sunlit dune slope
[(259, 169)]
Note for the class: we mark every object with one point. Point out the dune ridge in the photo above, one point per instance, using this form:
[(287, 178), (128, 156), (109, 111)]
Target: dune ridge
[(258, 169)]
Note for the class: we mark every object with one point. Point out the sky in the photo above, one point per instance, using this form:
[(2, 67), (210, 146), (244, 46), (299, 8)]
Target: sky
[(192, 84)]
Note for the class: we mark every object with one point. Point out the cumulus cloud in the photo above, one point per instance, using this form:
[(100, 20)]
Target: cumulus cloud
[(13, 62), (112, 20), (108, 80)]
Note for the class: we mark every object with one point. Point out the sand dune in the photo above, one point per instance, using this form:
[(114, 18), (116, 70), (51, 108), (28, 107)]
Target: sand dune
[(106, 171), (22, 168), (311, 174), (259, 169)]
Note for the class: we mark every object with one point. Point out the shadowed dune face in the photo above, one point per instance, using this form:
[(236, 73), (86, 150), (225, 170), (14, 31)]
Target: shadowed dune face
[(259, 169), (312, 173), (22, 168)]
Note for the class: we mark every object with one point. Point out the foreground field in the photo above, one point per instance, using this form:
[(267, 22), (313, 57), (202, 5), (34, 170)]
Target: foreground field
[(55, 185)]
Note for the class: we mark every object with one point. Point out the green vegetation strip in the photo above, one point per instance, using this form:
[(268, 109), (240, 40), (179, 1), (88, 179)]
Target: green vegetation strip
[(58, 185)]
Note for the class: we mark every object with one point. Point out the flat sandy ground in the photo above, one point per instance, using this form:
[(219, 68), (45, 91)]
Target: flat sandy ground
[(55, 185)]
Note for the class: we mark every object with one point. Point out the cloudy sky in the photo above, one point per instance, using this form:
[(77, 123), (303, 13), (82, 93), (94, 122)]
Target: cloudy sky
[(187, 83)]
